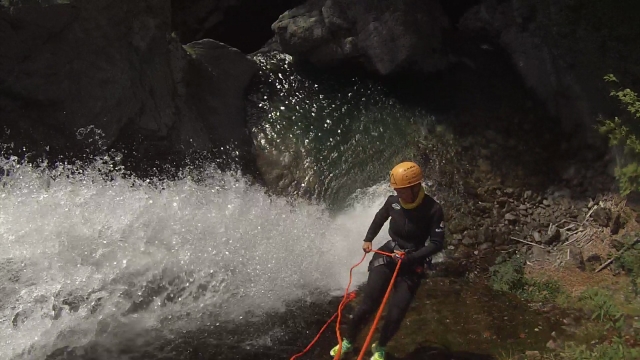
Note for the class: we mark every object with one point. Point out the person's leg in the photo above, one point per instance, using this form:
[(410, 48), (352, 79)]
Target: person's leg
[(372, 295), (404, 290)]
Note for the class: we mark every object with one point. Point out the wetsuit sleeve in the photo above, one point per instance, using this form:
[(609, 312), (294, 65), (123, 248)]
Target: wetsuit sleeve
[(378, 221), (436, 239)]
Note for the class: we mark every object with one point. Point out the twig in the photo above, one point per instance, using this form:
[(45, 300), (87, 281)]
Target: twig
[(569, 221), (587, 244), (530, 243), (581, 236), (606, 263), (589, 214), (625, 248), (571, 239)]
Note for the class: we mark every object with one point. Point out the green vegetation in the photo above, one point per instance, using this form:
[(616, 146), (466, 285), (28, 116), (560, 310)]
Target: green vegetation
[(623, 132), (610, 316), (628, 260), (606, 335), (508, 275), (616, 349)]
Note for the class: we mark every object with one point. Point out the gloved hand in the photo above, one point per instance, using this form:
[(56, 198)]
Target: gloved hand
[(408, 258), (398, 255)]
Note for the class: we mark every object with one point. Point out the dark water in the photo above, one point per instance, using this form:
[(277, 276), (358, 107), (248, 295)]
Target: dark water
[(451, 318)]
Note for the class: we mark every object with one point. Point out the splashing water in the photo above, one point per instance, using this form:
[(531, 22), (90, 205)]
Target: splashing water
[(327, 136), (89, 252)]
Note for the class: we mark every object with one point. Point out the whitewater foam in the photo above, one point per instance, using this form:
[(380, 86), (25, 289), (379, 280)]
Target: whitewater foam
[(84, 252)]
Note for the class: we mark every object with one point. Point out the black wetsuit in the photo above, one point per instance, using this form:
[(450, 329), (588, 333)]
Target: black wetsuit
[(409, 230)]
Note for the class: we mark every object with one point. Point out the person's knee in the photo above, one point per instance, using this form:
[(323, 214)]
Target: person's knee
[(396, 314), (367, 306)]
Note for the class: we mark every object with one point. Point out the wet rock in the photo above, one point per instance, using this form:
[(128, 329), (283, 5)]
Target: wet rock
[(615, 225), (553, 236), (536, 236), (74, 302), (383, 36), (511, 218), (20, 317), (601, 216), (485, 246), (96, 305), (57, 311), (90, 65), (575, 258), (228, 21)]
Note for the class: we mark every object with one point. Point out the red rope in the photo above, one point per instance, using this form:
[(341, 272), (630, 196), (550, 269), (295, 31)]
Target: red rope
[(348, 296), (342, 304), (384, 301)]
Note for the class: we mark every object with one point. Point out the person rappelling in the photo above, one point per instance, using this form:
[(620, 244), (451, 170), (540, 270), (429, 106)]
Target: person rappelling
[(416, 230)]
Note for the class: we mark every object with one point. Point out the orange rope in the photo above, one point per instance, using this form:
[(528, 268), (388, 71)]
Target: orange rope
[(342, 304), (384, 301), (366, 344), (345, 299), (348, 296)]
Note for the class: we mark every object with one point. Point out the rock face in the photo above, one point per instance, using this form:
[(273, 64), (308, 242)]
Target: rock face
[(216, 88), (563, 49), (112, 66), (384, 36), (244, 24)]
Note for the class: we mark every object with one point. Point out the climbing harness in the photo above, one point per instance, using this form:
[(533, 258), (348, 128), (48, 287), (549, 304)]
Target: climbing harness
[(348, 296)]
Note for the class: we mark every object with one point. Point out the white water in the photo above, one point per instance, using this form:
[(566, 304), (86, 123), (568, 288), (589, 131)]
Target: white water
[(63, 234)]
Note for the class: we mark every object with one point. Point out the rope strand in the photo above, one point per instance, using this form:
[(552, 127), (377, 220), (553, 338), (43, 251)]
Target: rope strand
[(348, 296)]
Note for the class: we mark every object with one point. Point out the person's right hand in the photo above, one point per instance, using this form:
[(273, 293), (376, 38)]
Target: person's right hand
[(367, 246)]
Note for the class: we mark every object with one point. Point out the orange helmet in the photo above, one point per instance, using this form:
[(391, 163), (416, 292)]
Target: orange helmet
[(405, 174)]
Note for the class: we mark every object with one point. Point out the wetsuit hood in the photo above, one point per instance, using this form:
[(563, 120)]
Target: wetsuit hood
[(414, 204)]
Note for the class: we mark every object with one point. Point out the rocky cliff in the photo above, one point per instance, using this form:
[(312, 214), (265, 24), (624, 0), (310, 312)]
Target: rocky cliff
[(562, 49), (76, 69), (243, 24), (132, 72), (383, 36)]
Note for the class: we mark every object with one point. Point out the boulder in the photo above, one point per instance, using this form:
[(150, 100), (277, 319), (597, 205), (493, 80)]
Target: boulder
[(244, 24), (102, 73), (385, 37), (562, 50)]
